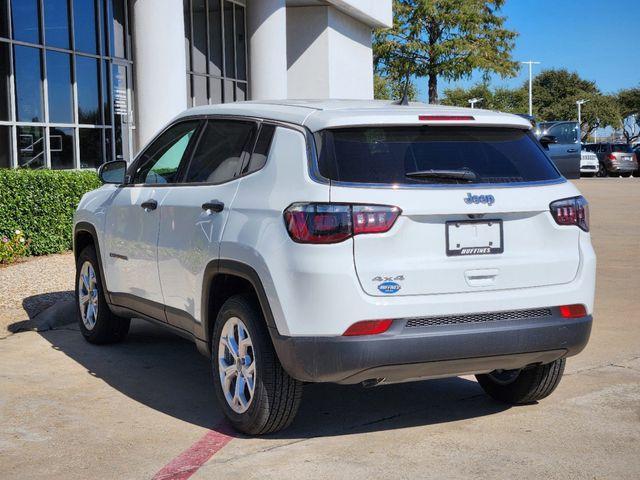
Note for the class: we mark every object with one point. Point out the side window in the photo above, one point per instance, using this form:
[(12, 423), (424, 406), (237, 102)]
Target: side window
[(261, 150), (565, 133), (219, 153), (161, 160)]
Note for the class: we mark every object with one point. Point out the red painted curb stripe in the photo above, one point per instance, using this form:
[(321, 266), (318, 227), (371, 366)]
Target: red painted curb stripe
[(190, 461)]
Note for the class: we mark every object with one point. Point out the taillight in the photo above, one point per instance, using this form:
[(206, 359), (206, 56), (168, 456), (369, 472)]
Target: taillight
[(573, 311), (333, 223), (612, 157), (368, 327), (571, 211)]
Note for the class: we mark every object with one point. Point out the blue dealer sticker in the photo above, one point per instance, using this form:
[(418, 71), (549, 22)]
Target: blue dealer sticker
[(389, 287)]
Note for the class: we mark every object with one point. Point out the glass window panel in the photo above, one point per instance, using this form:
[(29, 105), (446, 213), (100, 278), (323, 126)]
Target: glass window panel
[(217, 157), (4, 18), (200, 90), (56, 23), (26, 25), (261, 149), (241, 60), (106, 100), (108, 144), (90, 147), (118, 29), (84, 23), (160, 161), (5, 146), (228, 91), (187, 32), (5, 79), (88, 90), (199, 53), (215, 38), (241, 92), (30, 147), (59, 87), (28, 77), (215, 90), (61, 148), (229, 60)]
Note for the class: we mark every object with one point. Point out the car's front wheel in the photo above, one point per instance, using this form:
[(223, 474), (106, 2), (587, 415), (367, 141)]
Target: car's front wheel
[(97, 323), (523, 386), (255, 393)]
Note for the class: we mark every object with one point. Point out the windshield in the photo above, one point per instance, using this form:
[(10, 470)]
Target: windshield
[(621, 148), (428, 155)]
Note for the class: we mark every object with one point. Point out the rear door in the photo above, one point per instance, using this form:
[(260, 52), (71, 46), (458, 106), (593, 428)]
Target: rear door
[(194, 212), (566, 152), (495, 233)]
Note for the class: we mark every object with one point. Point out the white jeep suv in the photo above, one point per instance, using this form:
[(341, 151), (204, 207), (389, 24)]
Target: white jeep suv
[(342, 241)]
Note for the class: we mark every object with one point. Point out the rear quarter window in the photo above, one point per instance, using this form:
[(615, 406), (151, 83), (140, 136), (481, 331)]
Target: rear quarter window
[(385, 155)]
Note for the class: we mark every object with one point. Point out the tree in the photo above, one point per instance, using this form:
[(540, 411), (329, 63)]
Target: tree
[(629, 104), (502, 99), (445, 39), (384, 88)]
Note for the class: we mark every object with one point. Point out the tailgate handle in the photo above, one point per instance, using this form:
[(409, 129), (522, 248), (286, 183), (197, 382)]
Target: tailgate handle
[(481, 278)]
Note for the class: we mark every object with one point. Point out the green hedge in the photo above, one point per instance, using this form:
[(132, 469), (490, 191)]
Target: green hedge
[(41, 204)]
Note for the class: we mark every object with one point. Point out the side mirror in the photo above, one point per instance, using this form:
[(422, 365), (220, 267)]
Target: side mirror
[(113, 172), (547, 140)]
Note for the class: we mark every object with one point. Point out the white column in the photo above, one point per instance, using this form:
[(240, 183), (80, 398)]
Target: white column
[(267, 30), (160, 64)]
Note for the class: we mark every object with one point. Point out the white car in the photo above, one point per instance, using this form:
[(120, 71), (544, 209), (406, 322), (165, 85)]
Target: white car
[(342, 241), (589, 164)]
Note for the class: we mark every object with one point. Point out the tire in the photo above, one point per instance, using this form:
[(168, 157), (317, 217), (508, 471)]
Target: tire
[(524, 386), (602, 170), (276, 396), (636, 173), (103, 327), (625, 175)]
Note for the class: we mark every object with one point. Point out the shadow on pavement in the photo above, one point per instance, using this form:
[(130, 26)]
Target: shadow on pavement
[(34, 305), (166, 373)]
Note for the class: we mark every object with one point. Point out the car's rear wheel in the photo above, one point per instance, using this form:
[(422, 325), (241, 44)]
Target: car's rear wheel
[(626, 174), (524, 386), (97, 323), (255, 393)]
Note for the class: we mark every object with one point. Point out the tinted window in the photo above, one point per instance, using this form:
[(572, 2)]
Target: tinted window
[(384, 155), (161, 160), (217, 157), (30, 147), (88, 90), (565, 133), (90, 147), (229, 60), (215, 39), (5, 146), (84, 14), (56, 23), (261, 150), (59, 87), (618, 147), (26, 26), (4, 18), (61, 148), (241, 62), (4, 81), (28, 84)]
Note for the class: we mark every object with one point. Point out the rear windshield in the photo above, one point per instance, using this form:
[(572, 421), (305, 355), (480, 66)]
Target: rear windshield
[(621, 148), (385, 155)]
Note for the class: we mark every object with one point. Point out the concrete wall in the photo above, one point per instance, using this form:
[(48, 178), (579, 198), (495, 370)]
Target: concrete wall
[(328, 54)]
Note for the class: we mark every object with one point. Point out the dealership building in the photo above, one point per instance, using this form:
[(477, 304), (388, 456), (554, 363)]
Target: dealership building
[(87, 81)]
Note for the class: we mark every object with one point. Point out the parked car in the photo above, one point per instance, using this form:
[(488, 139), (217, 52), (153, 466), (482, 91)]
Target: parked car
[(563, 145), (344, 242), (636, 150), (588, 163), (615, 159)]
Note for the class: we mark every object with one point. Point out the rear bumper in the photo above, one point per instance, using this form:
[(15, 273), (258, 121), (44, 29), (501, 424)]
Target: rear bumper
[(404, 353)]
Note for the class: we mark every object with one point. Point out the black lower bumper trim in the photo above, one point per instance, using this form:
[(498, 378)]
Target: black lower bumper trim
[(402, 354)]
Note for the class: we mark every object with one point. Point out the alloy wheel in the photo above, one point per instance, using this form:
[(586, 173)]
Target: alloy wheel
[(88, 295), (236, 365)]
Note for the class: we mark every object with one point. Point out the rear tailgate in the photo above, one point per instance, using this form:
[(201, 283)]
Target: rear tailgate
[(412, 258)]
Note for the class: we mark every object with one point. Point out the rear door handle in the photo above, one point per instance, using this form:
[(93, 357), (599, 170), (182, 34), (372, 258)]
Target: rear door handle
[(149, 205), (572, 150), (214, 206)]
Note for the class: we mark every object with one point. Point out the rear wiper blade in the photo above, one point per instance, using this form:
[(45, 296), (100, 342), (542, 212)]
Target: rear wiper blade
[(465, 175)]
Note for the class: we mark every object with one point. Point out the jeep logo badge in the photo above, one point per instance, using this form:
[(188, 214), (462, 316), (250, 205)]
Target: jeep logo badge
[(476, 199)]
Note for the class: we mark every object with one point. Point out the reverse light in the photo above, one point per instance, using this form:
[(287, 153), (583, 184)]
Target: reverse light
[(573, 311), (368, 327), (571, 211), (323, 223)]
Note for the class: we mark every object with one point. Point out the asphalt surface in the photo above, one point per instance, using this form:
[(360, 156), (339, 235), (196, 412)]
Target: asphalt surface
[(146, 409)]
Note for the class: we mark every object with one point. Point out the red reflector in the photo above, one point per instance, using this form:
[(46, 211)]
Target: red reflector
[(368, 327), (444, 118), (573, 311)]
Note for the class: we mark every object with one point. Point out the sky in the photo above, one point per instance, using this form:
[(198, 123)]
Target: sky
[(598, 39)]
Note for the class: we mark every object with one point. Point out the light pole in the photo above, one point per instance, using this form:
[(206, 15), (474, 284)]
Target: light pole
[(531, 64), (473, 101), (580, 103)]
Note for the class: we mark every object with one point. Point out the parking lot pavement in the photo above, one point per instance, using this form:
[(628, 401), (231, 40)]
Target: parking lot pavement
[(145, 408)]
